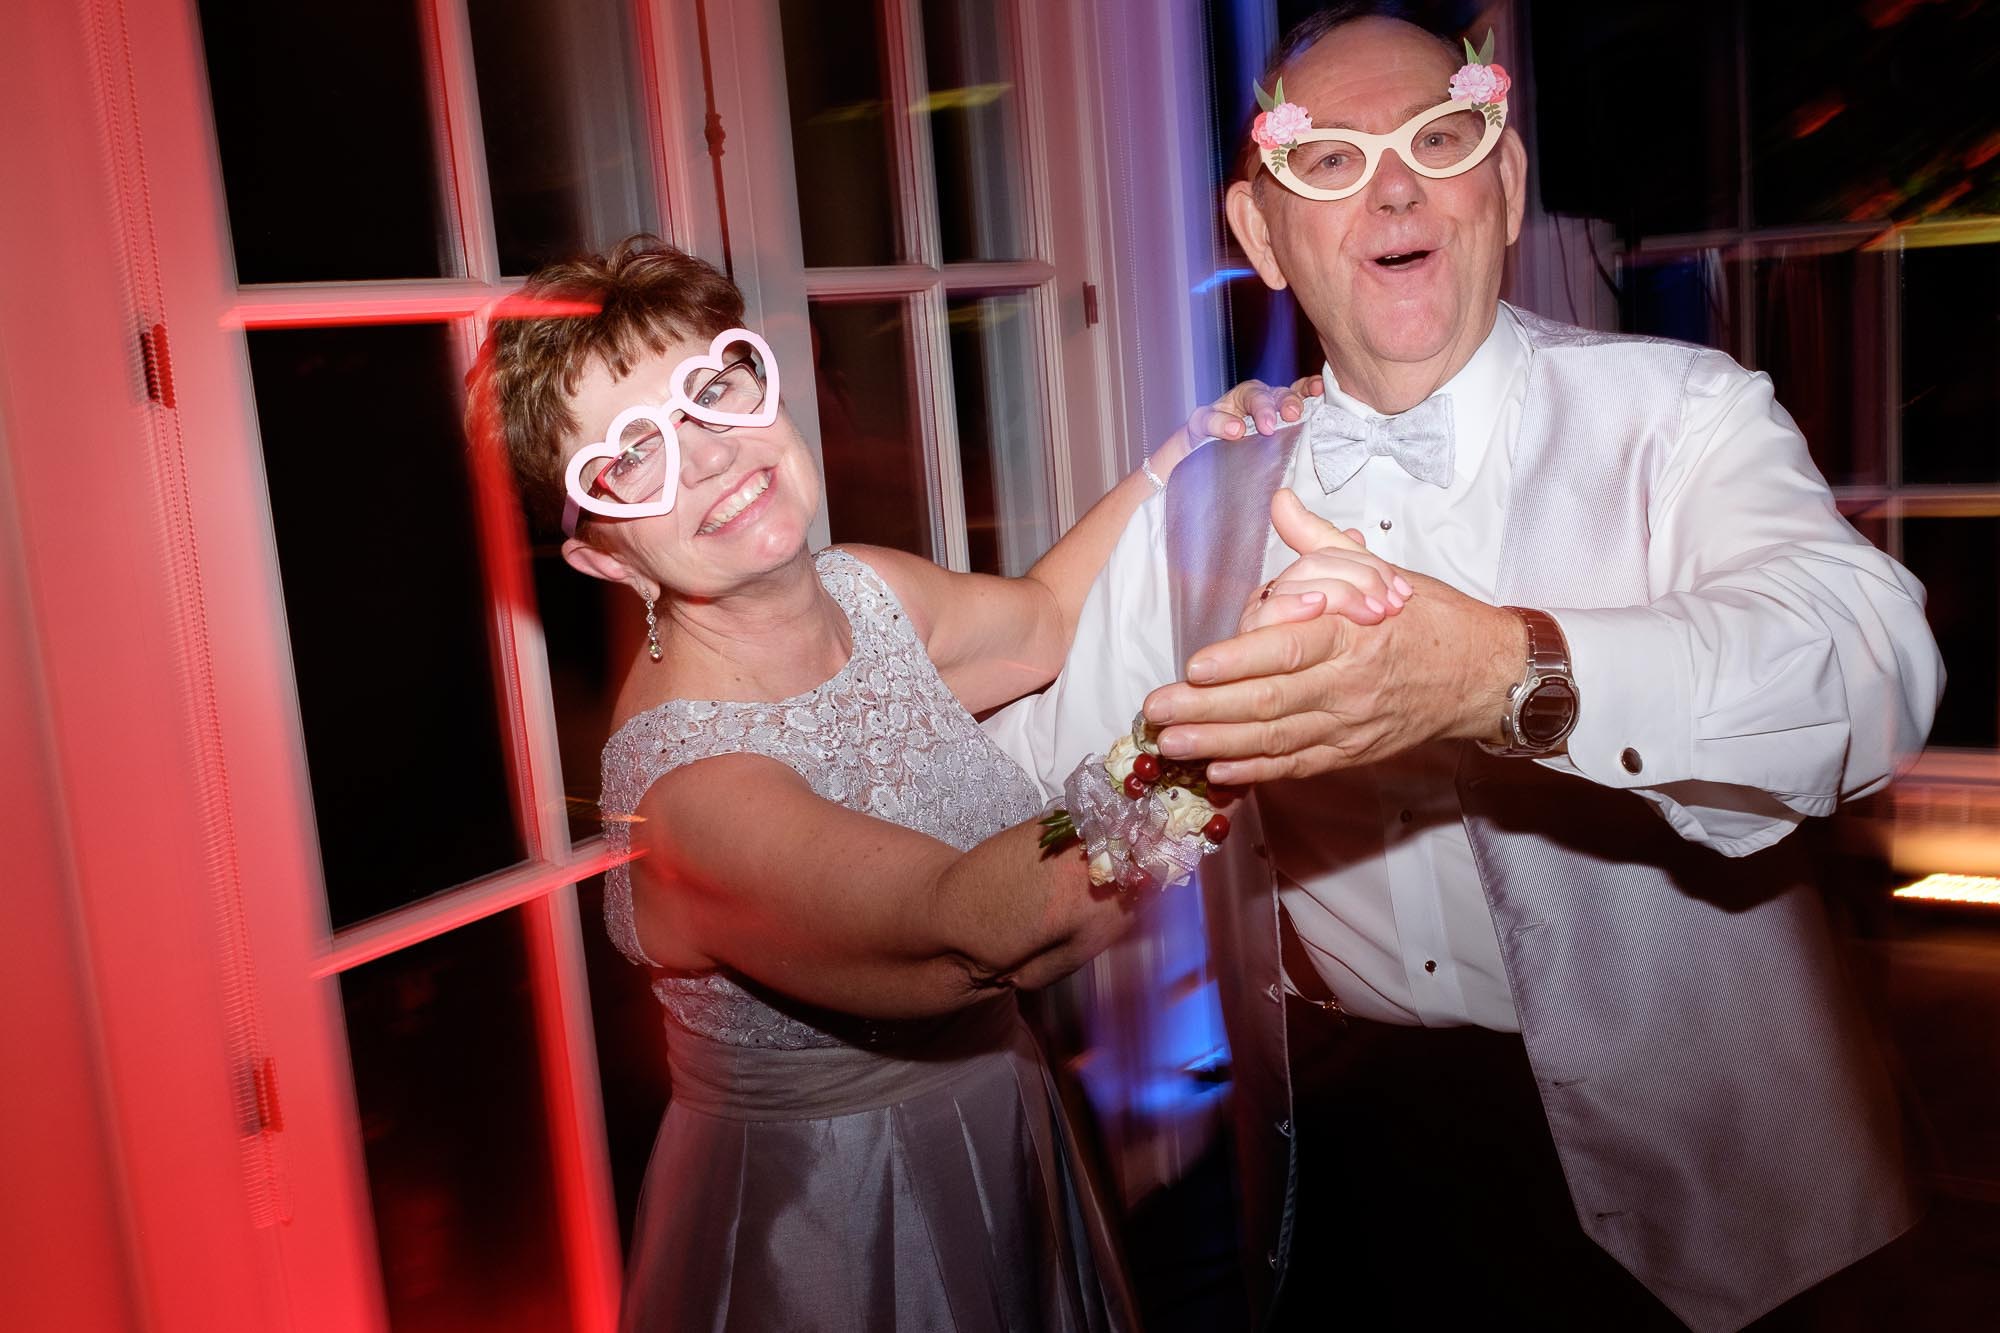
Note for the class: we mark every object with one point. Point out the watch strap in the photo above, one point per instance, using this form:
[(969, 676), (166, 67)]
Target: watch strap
[(1548, 659)]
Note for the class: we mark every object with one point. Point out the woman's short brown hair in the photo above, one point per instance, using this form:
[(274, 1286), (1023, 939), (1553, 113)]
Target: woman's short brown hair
[(647, 295)]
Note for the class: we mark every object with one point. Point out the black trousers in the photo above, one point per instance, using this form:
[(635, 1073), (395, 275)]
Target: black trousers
[(1429, 1190)]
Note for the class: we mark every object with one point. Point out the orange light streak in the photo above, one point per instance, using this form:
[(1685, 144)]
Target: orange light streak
[(1963, 890)]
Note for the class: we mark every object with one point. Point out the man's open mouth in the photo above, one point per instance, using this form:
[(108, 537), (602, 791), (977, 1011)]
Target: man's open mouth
[(1402, 259)]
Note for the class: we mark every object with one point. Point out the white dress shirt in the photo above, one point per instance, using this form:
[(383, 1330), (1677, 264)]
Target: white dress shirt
[(1727, 687), (1374, 867)]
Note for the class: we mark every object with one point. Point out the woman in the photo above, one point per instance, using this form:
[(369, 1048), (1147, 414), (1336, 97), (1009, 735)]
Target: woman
[(839, 883)]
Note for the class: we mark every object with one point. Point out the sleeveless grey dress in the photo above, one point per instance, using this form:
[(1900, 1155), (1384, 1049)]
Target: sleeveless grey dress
[(817, 1171)]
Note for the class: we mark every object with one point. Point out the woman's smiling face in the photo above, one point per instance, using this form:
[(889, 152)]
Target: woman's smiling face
[(747, 495)]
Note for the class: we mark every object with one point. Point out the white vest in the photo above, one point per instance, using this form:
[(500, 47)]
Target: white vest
[(1725, 1126)]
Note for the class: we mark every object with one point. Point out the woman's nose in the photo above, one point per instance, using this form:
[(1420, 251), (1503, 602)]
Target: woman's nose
[(705, 453)]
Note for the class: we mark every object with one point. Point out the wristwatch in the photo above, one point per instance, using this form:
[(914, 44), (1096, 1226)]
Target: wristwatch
[(1541, 708)]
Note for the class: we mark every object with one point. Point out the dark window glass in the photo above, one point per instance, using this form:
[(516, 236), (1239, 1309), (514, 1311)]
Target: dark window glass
[(1003, 453), (975, 135), (592, 629), (877, 488), (567, 154), (1868, 112), (448, 1081), (1958, 560), (631, 1054), (1691, 297), (1635, 112), (1819, 321), (323, 118), (1951, 364), (386, 605), (842, 141)]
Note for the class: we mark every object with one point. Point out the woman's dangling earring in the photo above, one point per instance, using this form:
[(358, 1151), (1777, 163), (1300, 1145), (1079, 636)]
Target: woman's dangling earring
[(652, 632)]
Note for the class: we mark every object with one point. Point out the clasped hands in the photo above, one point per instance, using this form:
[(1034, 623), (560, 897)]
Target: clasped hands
[(1342, 660)]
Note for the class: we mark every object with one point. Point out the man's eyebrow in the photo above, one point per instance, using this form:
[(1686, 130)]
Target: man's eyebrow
[(1401, 116)]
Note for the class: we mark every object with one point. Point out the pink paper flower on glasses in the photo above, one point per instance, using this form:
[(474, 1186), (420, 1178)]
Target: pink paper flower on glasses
[(1480, 81), (1282, 124), (1479, 84)]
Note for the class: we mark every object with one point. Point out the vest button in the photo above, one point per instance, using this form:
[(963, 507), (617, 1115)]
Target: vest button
[(1275, 995), (1629, 760), (1284, 1128), (1271, 1258)]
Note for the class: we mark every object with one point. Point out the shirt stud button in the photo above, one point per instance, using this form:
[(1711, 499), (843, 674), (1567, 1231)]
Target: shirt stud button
[(1430, 964), (1387, 524), (1630, 761)]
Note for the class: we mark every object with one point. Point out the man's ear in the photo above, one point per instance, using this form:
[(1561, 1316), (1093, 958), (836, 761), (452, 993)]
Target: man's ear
[(1513, 180), (1246, 219), (598, 563)]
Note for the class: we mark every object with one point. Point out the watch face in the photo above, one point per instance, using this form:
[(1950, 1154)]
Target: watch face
[(1548, 712)]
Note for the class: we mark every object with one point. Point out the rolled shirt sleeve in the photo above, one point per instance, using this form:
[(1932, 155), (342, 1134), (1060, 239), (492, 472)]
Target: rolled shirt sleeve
[(1123, 650), (1784, 664)]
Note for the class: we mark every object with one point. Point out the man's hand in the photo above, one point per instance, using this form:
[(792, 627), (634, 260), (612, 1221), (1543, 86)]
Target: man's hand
[(1296, 697)]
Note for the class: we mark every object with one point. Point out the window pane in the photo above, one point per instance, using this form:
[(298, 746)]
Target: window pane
[(592, 629), (1958, 560), (386, 605), (323, 119), (566, 149), (975, 139), (1871, 112), (1002, 439), (1951, 364), (454, 1129), (1686, 296), (1819, 336), (631, 1054), (1590, 154), (842, 140), (877, 489)]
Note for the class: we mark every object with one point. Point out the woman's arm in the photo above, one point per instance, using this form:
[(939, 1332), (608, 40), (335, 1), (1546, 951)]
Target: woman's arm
[(995, 639), (747, 868)]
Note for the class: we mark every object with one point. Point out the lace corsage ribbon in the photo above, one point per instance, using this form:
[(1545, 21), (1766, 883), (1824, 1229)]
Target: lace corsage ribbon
[(1143, 820)]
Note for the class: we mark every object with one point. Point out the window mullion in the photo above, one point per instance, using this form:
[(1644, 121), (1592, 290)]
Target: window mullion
[(1892, 395), (462, 145), (930, 336), (910, 126)]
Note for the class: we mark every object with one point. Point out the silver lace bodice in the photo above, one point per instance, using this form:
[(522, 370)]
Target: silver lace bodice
[(884, 737)]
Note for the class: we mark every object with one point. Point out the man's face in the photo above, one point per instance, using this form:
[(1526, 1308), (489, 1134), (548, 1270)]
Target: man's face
[(1407, 271)]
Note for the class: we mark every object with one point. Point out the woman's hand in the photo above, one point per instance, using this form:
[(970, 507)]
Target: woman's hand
[(1334, 575), (1269, 406)]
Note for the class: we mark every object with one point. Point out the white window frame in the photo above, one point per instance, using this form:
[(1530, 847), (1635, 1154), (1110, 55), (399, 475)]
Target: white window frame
[(1083, 404), (309, 1232), (282, 1218)]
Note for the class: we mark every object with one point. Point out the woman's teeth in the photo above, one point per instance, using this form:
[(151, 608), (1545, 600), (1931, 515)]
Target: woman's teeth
[(746, 494)]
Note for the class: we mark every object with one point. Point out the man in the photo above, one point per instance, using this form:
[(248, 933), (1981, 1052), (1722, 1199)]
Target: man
[(1549, 989)]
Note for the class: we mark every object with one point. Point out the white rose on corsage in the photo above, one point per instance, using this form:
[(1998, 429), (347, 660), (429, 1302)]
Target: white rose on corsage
[(1143, 819)]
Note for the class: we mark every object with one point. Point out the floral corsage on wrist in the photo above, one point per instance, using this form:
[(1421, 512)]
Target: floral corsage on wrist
[(1143, 819)]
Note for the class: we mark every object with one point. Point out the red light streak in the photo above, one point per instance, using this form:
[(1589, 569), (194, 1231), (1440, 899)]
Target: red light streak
[(421, 308)]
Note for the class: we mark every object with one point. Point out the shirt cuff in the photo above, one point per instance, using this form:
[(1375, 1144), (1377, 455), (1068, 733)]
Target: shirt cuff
[(1635, 697)]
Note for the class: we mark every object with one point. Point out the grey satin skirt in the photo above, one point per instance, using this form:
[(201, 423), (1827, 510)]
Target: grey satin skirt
[(841, 1188)]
